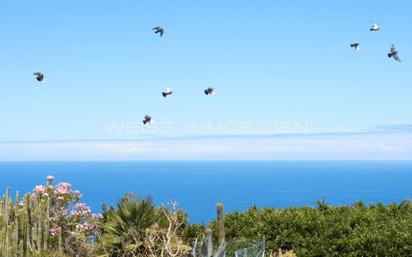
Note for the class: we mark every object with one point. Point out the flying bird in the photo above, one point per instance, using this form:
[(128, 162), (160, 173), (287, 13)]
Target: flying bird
[(394, 54), (167, 92), (160, 30), (355, 46), (374, 27), (40, 77), (209, 91), (147, 119)]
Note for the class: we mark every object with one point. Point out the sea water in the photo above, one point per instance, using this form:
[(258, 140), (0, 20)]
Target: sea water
[(198, 185)]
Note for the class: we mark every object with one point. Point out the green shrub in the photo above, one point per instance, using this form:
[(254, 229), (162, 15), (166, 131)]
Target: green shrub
[(358, 230)]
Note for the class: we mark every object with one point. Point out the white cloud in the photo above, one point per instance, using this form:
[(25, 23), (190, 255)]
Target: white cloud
[(362, 146)]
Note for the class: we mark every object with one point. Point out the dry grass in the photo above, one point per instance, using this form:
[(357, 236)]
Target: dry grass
[(281, 253)]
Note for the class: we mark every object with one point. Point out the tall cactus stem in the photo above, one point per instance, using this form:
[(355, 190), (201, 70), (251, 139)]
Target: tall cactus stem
[(220, 222)]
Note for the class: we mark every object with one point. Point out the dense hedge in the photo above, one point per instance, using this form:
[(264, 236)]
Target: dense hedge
[(358, 230)]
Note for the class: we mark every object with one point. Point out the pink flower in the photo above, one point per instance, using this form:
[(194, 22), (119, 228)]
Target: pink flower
[(40, 189), (77, 194), (85, 227), (88, 227), (80, 210), (50, 178), (54, 231), (63, 189)]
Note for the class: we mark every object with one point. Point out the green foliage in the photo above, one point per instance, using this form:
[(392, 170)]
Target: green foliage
[(358, 230), (123, 229), (192, 232), (131, 219), (136, 224), (41, 225)]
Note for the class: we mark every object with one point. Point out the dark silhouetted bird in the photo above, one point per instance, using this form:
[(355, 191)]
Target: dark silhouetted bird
[(210, 91), (40, 77), (167, 92), (147, 119), (394, 54), (160, 30), (374, 27), (355, 46)]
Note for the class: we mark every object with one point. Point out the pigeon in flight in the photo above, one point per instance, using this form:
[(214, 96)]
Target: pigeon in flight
[(160, 30), (40, 77), (394, 54), (167, 92), (210, 91), (147, 119), (355, 46), (374, 27)]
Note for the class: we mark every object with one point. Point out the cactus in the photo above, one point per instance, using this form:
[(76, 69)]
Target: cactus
[(6, 223), (207, 245), (38, 224), (60, 242), (220, 223), (206, 248), (16, 229), (24, 227), (46, 225), (29, 223)]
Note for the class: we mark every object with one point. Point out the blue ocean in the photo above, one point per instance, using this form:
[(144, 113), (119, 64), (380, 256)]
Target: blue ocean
[(198, 185)]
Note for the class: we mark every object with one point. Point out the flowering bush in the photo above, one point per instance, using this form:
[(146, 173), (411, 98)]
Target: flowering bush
[(49, 221), (67, 216)]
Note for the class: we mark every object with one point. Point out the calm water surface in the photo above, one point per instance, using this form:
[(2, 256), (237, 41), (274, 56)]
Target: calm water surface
[(197, 186)]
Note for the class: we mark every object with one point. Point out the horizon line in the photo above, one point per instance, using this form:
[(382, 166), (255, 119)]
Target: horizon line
[(194, 137)]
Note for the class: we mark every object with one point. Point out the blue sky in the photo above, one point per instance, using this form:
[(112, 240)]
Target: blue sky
[(270, 62)]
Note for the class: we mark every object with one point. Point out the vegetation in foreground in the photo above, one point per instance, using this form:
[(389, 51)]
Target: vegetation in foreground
[(52, 221)]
